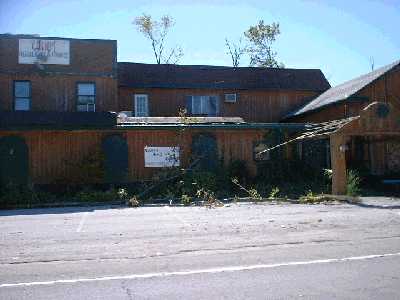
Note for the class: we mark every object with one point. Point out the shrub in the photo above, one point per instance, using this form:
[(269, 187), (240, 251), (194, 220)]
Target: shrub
[(101, 196), (252, 192), (186, 200), (274, 193), (134, 202), (15, 196), (353, 183), (238, 169)]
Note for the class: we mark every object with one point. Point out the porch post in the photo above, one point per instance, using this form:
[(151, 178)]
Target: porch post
[(338, 158)]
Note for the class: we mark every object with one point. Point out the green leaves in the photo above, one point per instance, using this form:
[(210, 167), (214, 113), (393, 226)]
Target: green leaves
[(261, 38)]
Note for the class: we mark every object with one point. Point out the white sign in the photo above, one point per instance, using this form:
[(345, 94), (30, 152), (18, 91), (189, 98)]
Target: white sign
[(47, 52), (161, 157)]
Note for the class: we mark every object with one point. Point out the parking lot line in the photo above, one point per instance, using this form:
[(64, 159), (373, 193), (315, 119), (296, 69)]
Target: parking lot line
[(200, 271), (83, 219)]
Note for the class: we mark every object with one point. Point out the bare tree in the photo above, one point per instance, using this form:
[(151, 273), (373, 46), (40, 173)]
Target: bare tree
[(372, 63), (156, 32), (235, 50)]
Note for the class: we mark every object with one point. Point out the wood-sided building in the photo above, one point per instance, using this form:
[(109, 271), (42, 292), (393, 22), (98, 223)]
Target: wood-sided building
[(57, 74), (254, 94), (57, 152), (351, 97), (56, 95), (371, 143)]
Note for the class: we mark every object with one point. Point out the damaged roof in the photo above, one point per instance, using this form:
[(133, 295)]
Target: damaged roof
[(343, 91), (139, 75)]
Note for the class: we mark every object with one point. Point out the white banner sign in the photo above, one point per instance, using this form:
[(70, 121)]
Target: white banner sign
[(47, 52), (161, 157)]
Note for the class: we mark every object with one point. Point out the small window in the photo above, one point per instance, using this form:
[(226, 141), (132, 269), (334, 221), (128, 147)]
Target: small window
[(22, 95), (141, 105), (203, 105), (259, 152), (86, 97), (231, 98)]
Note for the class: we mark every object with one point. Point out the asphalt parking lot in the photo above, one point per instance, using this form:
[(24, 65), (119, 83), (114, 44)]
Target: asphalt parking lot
[(253, 251)]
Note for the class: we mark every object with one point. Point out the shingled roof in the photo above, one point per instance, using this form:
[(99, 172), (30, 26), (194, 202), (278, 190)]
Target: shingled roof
[(138, 75), (343, 91)]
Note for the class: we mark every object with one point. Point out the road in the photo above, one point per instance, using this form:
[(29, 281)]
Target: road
[(240, 251)]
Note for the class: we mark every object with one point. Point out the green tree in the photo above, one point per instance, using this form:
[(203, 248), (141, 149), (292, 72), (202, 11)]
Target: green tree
[(156, 32), (261, 38)]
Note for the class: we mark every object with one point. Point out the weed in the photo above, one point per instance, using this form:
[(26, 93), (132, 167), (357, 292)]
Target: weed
[(186, 200), (253, 193), (353, 183), (274, 193)]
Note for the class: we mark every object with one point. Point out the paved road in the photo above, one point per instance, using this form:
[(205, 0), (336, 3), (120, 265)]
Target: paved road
[(235, 252)]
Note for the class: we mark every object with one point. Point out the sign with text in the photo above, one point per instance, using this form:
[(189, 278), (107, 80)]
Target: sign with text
[(161, 157), (41, 51)]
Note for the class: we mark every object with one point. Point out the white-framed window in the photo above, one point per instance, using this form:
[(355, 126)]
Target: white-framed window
[(22, 95), (203, 105), (230, 98), (86, 96), (141, 105)]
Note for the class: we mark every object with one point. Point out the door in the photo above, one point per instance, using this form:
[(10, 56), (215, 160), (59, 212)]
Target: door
[(115, 150), (204, 149), (14, 163)]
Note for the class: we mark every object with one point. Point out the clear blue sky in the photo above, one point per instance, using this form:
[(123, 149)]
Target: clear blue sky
[(336, 36)]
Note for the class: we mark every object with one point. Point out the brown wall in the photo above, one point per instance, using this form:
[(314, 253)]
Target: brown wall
[(253, 106), (385, 89), (58, 93), (95, 57), (51, 152), (54, 87)]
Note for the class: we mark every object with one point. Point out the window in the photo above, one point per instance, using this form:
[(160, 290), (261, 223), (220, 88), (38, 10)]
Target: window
[(202, 105), (86, 97), (22, 95), (141, 105), (231, 98)]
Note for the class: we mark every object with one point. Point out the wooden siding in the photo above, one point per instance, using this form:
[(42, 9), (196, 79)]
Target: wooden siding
[(382, 133), (86, 57), (58, 92), (385, 89), (51, 152), (253, 106)]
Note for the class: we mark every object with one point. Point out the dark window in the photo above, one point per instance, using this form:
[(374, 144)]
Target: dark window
[(86, 97), (22, 95), (203, 105)]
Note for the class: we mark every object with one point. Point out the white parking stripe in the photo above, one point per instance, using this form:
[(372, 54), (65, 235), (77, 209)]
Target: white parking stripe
[(176, 216), (201, 271), (83, 219)]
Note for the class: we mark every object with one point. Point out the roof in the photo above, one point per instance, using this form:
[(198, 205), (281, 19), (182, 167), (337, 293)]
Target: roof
[(344, 90), (139, 75), (49, 119), (38, 36), (178, 120)]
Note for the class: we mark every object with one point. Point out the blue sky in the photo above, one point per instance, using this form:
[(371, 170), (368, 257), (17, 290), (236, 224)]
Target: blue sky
[(336, 36)]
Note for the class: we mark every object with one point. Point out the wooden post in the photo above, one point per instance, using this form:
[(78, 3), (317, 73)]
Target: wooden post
[(338, 158)]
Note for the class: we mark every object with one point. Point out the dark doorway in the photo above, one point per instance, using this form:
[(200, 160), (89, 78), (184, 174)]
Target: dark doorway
[(115, 149), (14, 161), (204, 149)]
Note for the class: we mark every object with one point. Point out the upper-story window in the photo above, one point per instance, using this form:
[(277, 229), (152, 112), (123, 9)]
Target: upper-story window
[(86, 93), (22, 95), (203, 105), (141, 105)]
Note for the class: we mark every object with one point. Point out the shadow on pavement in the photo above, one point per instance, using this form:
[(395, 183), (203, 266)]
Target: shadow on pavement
[(57, 210)]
